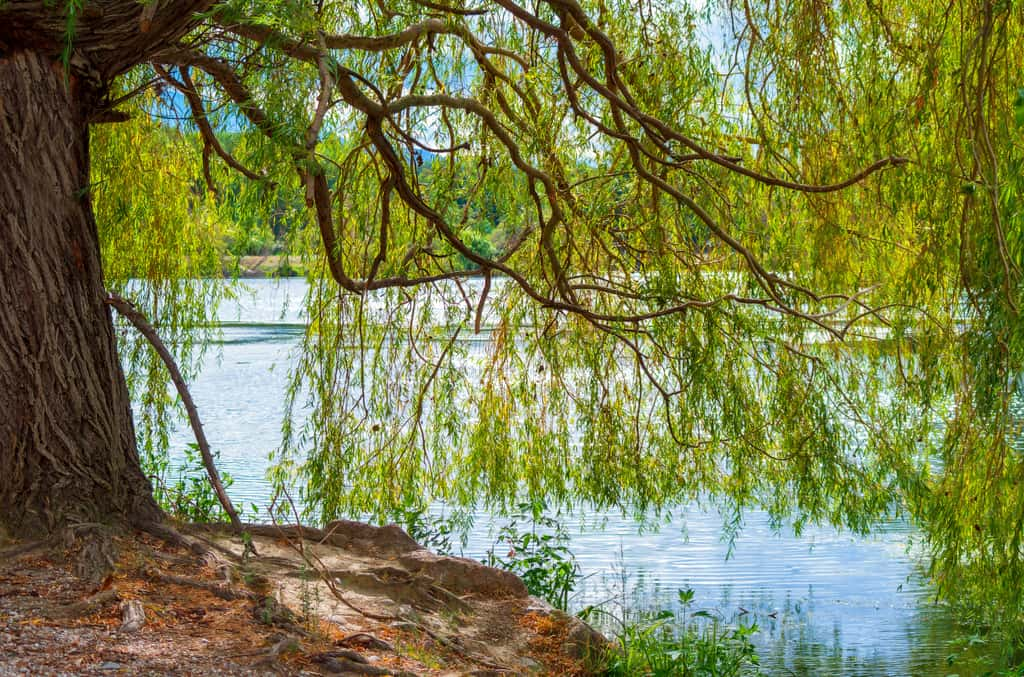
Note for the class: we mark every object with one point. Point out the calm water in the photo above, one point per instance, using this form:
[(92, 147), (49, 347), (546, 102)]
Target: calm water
[(827, 603)]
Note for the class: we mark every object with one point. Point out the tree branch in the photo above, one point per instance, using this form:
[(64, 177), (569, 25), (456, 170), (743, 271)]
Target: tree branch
[(128, 311)]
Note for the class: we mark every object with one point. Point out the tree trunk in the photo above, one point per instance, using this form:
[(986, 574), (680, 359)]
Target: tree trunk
[(67, 444)]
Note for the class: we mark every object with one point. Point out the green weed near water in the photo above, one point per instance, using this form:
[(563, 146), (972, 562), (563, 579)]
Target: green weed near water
[(189, 496), (665, 643), (539, 555), (971, 654), (434, 532)]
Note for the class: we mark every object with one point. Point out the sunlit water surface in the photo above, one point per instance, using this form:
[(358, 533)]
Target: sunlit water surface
[(826, 603)]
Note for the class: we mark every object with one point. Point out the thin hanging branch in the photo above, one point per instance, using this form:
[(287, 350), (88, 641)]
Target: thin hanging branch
[(128, 311)]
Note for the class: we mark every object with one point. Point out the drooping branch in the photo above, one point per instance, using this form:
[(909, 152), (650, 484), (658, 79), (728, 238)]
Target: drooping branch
[(128, 312), (617, 94), (652, 145)]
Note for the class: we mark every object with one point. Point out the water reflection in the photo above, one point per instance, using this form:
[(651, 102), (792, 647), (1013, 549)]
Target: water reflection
[(827, 603)]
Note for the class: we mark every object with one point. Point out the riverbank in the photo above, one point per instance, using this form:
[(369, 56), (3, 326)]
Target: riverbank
[(350, 599)]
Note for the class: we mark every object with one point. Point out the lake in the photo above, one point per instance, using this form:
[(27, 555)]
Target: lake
[(826, 603)]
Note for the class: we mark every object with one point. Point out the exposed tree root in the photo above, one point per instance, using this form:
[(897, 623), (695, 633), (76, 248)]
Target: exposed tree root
[(94, 548), (28, 548), (168, 534), (366, 640), (89, 605), (220, 590), (351, 662)]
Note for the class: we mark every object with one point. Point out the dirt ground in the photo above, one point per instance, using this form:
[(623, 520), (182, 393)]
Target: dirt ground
[(349, 600)]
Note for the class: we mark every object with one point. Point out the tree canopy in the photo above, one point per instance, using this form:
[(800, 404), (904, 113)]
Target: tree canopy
[(752, 254)]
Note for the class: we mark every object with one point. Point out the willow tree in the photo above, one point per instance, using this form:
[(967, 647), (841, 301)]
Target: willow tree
[(752, 255)]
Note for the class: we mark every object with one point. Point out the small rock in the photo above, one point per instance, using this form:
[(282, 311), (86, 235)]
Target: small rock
[(110, 665)]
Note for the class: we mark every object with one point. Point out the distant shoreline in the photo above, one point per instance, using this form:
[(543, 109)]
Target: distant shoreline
[(271, 265)]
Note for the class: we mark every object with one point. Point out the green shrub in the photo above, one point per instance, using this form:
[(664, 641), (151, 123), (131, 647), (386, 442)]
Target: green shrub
[(434, 532), (543, 560), (190, 496)]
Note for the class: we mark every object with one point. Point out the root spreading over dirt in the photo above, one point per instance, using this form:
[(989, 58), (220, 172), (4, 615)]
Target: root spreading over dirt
[(350, 599)]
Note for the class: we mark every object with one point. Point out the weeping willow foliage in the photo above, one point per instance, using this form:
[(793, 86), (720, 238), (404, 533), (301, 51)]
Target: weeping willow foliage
[(618, 254)]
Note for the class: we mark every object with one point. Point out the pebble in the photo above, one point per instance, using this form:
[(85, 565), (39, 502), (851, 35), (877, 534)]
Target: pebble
[(530, 664)]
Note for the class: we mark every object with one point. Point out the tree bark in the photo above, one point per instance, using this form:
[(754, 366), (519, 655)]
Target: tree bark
[(67, 444), (109, 36)]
